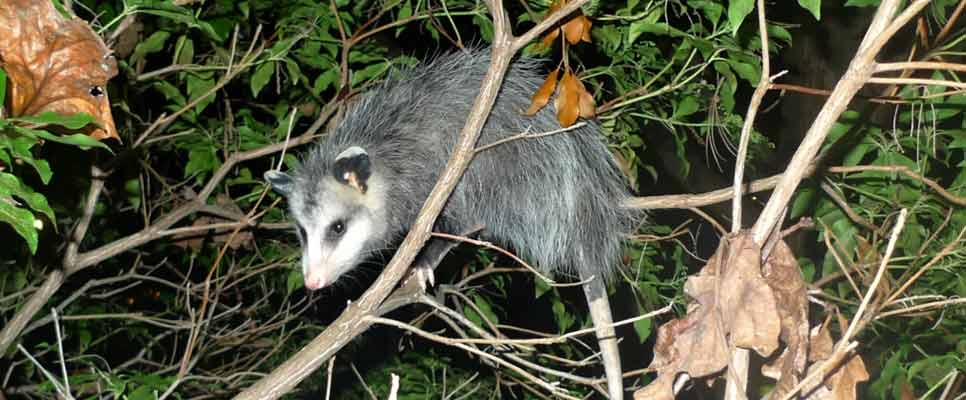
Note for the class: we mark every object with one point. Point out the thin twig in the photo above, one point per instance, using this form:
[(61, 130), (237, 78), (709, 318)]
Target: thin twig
[(900, 223)]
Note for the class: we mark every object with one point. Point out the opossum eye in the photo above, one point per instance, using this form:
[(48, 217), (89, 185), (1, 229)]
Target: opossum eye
[(96, 91), (337, 228)]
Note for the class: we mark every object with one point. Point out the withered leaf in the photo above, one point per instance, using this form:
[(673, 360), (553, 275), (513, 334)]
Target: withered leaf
[(740, 306), (586, 102), (551, 35), (542, 96), (730, 300), (577, 29), (747, 304), (841, 384), (55, 64), (820, 344), (547, 40), (587, 25), (568, 100), (782, 273)]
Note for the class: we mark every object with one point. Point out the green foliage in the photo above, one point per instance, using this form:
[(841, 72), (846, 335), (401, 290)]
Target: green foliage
[(424, 376), (20, 139)]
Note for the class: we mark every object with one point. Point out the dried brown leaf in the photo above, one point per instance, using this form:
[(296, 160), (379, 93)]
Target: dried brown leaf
[(730, 300), (905, 392), (782, 273), (586, 102), (820, 344), (841, 384), (551, 35), (574, 30), (661, 388), (577, 29), (568, 100), (587, 25), (748, 307), (547, 40), (55, 64), (542, 96)]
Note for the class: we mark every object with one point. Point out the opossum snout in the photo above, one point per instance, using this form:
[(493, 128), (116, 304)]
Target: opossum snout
[(315, 281)]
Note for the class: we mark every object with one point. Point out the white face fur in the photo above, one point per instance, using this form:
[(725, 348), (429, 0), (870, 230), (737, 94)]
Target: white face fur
[(339, 231)]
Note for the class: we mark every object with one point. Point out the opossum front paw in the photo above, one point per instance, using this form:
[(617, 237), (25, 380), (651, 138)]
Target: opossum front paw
[(424, 276)]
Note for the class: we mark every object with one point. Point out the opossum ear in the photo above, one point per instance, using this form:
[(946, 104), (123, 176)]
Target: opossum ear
[(352, 168), (281, 182)]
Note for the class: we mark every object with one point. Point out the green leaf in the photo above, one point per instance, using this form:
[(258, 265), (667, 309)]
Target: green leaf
[(564, 319), (804, 201), (19, 147), (405, 11), (70, 121), (659, 28), (369, 72), (710, 9), (201, 159), (779, 33), (152, 44), (82, 141), (959, 140), (198, 86), (17, 216), (540, 287), (748, 72), (485, 308), (294, 281), (862, 3), (11, 185), (185, 51), (857, 153), (3, 87), (142, 393), (643, 329), (644, 25), (294, 72), (175, 13), (170, 92), (324, 80), (22, 221), (261, 77), (813, 6), (737, 11), (728, 86), (687, 106)]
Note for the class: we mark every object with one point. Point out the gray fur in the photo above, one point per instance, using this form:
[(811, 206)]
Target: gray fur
[(555, 200)]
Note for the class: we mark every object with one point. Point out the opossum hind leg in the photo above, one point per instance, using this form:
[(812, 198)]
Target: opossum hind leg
[(433, 253)]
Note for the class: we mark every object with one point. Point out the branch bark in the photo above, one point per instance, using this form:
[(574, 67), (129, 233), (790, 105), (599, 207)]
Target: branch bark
[(881, 29)]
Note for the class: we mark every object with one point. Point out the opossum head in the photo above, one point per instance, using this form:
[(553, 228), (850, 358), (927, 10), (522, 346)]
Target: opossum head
[(339, 213)]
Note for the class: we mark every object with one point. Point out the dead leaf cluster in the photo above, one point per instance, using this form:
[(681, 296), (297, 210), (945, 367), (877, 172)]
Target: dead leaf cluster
[(572, 100), (739, 302)]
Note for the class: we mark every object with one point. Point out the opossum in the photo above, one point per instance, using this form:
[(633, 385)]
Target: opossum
[(555, 199)]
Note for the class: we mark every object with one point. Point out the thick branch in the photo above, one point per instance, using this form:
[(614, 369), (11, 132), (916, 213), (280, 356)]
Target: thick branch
[(858, 73)]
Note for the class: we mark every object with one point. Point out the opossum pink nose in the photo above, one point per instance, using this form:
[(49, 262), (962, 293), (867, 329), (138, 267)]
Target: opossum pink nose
[(314, 282)]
